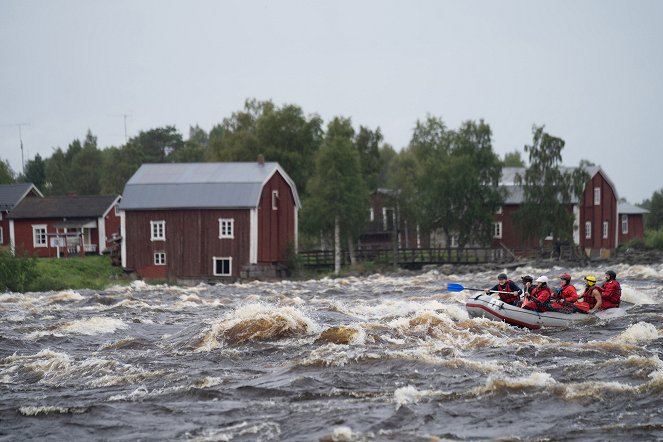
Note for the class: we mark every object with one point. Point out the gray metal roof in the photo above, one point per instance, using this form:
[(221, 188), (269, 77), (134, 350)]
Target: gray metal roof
[(516, 194), (199, 185), (12, 194), (629, 209)]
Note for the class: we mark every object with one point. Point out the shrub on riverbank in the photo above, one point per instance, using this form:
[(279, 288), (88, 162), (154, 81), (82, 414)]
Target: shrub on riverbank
[(90, 272), (23, 273)]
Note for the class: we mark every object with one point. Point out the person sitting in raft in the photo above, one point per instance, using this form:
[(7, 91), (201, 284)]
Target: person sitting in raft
[(611, 291), (591, 297), (539, 298), (504, 284), (565, 296), (528, 286)]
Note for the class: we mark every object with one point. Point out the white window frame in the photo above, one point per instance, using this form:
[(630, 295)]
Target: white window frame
[(454, 241), (226, 228), (38, 243), (222, 258), (597, 196), (159, 258), (275, 200), (158, 230), (2, 237), (588, 230), (605, 229), (497, 229), (624, 223), (116, 210), (371, 214)]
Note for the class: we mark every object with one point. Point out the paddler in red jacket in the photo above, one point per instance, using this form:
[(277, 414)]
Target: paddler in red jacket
[(504, 284), (540, 296), (611, 291), (591, 297), (564, 297)]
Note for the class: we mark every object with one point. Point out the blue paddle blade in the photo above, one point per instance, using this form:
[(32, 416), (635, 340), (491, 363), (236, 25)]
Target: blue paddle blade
[(455, 287)]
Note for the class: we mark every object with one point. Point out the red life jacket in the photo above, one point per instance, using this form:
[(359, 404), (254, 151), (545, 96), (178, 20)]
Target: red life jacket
[(568, 294), (611, 294), (564, 298), (509, 298), (588, 297), (542, 294)]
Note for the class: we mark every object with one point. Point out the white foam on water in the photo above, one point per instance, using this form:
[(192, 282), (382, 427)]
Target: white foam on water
[(408, 395), (342, 434), (638, 333), (257, 321), (498, 383), (261, 431), (65, 295), (45, 409), (96, 325)]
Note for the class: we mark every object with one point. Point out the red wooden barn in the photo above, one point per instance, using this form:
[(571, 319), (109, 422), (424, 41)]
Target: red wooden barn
[(64, 225), (208, 220), (598, 227), (10, 196)]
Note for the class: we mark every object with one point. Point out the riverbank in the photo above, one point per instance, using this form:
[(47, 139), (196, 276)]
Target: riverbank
[(90, 272), (96, 272)]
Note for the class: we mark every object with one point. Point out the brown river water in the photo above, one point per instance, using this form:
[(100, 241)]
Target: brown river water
[(375, 358)]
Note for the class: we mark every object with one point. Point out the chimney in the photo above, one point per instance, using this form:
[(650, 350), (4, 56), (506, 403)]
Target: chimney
[(261, 159)]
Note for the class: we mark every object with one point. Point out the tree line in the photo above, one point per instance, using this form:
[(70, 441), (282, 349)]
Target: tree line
[(446, 179)]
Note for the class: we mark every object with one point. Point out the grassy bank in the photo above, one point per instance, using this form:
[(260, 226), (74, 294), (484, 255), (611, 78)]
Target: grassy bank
[(92, 272)]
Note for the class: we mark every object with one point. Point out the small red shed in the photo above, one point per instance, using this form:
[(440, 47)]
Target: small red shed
[(208, 220)]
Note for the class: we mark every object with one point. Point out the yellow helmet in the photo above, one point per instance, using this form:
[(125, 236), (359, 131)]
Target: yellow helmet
[(590, 280)]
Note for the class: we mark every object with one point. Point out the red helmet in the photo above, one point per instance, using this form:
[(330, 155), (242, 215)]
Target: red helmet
[(565, 276)]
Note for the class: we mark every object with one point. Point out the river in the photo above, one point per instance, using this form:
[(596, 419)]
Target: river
[(375, 358)]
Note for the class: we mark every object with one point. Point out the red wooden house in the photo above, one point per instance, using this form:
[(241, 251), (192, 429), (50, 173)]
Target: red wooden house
[(385, 221), (65, 225), (597, 224), (208, 220), (10, 196)]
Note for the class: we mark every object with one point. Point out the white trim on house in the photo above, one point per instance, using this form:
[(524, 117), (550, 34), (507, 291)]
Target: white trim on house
[(253, 236), (35, 228), (226, 228), (123, 234), (222, 258), (158, 230), (101, 233)]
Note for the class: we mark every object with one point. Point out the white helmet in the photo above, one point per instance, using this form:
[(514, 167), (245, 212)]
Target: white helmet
[(542, 279)]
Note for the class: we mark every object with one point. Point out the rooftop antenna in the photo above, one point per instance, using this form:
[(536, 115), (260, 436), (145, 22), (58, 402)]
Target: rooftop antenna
[(20, 139), (124, 117)]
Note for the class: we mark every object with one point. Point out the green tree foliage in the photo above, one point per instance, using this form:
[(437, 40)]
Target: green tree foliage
[(548, 190), (513, 159), (338, 198), (76, 170), (368, 145), (284, 135), (35, 172), (654, 219), (194, 149), (84, 176), (6, 172), (458, 182)]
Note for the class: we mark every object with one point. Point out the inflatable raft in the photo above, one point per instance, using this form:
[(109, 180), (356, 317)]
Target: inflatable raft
[(488, 307)]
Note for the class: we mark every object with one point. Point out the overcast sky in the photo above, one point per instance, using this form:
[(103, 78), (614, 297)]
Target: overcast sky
[(590, 71)]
